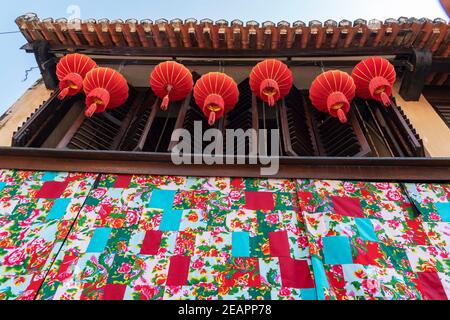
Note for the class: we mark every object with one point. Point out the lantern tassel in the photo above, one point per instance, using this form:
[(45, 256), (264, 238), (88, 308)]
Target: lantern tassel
[(166, 100), (342, 116), (91, 110), (212, 119), (386, 99), (271, 101), (63, 94), (165, 103)]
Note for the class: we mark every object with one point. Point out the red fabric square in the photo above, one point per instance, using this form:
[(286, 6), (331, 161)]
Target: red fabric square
[(368, 253), (152, 243), (279, 244), (123, 181), (431, 286), (259, 201), (178, 271), (52, 190), (305, 197), (114, 292), (346, 206), (295, 274)]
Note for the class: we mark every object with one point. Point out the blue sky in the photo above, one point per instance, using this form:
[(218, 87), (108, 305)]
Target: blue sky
[(14, 62)]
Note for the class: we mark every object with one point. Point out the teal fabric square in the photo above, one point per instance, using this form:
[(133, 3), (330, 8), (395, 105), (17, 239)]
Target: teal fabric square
[(366, 230), (49, 176), (99, 240), (308, 294), (48, 232), (115, 193), (2, 185), (443, 209), (171, 220), (162, 199), (337, 250), (320, 277), (241, 244), (58, 209)]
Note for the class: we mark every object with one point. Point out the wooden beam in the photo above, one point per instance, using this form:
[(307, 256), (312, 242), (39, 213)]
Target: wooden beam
[(365, 169), (414, 81), (181, 116), (46, 62), (148, 125), (285, 129), (224, 52)]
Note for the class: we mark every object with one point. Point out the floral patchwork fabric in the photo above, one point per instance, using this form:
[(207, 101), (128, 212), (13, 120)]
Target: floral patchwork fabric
[(37, 211), (141, 237), (374, 241), (67, 236)]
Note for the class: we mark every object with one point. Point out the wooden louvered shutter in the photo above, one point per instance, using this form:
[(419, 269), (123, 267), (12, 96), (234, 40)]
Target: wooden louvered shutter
[(439, 98), (296, 126), (391, 127), (103, 131), (140, 125), (242, 116), (39, 126), (443, 109), (335, 139)]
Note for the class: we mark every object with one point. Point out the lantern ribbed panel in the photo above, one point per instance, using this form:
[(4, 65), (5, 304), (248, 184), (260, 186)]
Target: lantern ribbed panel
[(171, 81), (271, 81), (71, 71), (105, 88), (374, 78), (333, 92), (216, 94)]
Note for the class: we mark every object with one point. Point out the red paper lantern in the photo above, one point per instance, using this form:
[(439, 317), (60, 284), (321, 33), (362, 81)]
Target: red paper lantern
[(332, 92), (216, 94), (374, 79), (271, 80), (171, 81), (71, 71), (105, 88)]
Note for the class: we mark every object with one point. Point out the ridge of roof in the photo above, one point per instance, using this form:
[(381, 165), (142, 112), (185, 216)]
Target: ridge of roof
[(32, 17), (221, 37), (402, 32)]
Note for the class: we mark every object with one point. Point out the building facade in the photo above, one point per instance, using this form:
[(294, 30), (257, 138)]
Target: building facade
[(95, 208)]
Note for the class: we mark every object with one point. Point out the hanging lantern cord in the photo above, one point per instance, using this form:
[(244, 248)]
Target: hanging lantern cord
[(264, 132), (277, 115), (163, 130), (322, 66), (264, 115)]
